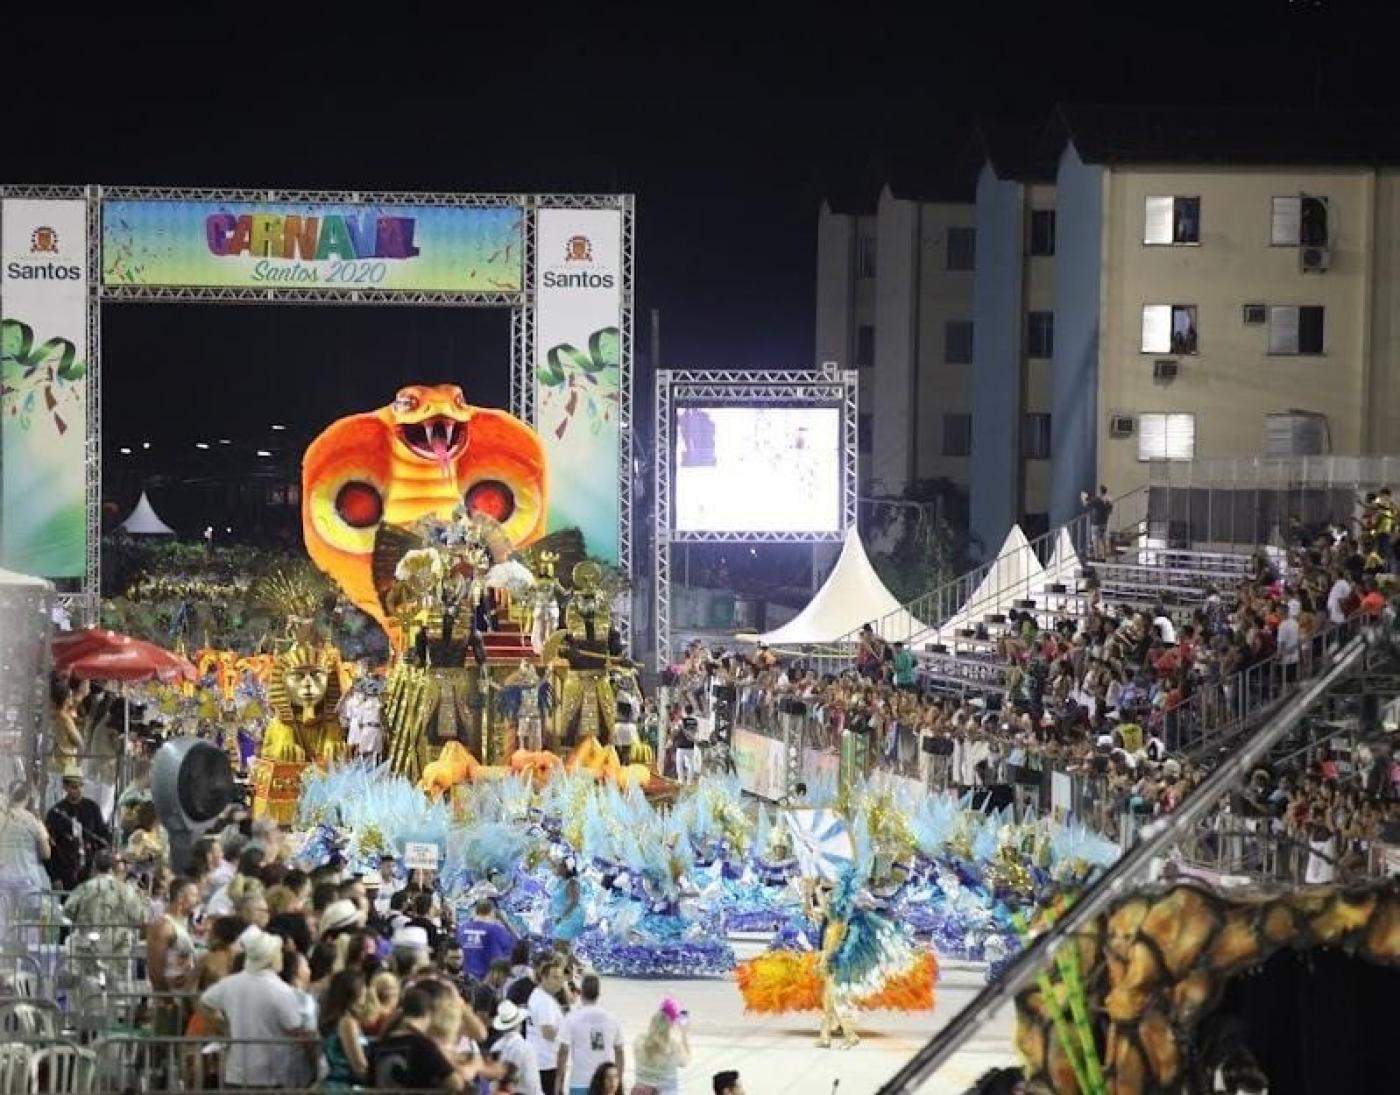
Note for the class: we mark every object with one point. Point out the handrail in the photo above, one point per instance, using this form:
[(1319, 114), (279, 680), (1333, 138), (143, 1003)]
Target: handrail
[(1116, 881)]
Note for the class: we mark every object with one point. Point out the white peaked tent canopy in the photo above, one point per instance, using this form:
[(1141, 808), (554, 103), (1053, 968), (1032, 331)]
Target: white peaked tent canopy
[(1011, 577), (1063, 568), (851, 596), (144, 521)]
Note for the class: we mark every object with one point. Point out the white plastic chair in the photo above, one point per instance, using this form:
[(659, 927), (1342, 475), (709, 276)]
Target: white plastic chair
[(62, 1070), (28, 1019), (14, 1068)]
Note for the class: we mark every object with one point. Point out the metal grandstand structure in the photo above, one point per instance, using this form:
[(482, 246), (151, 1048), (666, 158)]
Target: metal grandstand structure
[(1369, 654)]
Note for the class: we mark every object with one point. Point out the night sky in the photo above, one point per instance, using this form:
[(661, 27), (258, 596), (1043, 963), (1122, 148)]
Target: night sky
[(728, 126)]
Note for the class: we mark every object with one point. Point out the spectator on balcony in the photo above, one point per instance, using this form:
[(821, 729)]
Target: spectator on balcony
[(1099, 508), (1289, 640), (870, 653), (904, 668)]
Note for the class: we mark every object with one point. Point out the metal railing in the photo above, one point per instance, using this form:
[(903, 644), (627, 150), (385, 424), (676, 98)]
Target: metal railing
[(1250, 500), (1006, 573), (1129, 871)]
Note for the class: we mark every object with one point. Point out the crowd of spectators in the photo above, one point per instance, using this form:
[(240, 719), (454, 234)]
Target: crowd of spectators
[(322, 978), (1127, 697)]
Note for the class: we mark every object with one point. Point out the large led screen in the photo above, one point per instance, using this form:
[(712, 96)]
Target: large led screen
[(766, 469)]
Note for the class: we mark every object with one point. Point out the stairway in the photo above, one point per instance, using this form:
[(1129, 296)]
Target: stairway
[(508, 645)]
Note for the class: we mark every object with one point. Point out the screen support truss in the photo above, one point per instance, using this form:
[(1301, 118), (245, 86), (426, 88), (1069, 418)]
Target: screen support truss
[(825, 386)]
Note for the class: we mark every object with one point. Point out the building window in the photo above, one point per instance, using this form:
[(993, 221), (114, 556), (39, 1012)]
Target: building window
[(865, 257), (962, 248), (863, 433), (1295, 330), (1169, 328), (1298, 220), (957, 435), (865, 345), (1173, 221), (1035, 437), (1166, 436), (957, 342), (1042, 231), (1040, 334)]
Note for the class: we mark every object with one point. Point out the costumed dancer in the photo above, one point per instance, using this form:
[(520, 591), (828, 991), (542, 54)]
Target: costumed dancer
[(863, 962), (544, 611), (527, 699), (566, 908)]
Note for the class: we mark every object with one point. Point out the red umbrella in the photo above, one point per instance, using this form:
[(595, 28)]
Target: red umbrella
[(71, 645), (96, 654)]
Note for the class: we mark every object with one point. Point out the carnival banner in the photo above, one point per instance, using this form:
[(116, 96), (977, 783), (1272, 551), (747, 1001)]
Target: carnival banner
[(292, 245), (43, 387), (579, 293)]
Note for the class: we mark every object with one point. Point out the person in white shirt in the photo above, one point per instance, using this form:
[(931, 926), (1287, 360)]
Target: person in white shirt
[(1289, 645), (546, 1017), (389, 884), (258, 1007), (1165, 629), (512, 1049), (629, 707), (590, 1038), (1336, 600)]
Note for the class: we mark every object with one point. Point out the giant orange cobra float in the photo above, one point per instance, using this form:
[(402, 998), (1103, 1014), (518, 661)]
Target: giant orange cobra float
[(424, 455)]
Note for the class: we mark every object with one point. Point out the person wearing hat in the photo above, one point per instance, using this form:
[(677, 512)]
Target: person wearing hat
[(339, 917), (260, 1010), (77, 832), (409, 951), (512, 1049)]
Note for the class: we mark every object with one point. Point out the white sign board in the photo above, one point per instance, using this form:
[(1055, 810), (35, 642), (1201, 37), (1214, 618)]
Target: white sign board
[(420, 857)]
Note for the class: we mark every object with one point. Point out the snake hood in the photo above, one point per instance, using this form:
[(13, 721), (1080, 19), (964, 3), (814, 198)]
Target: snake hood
[(425, 454)]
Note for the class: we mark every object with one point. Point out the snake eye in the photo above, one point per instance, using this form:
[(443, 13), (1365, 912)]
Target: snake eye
[(459, 401), (359, 504), (405, 402), (491, 498)]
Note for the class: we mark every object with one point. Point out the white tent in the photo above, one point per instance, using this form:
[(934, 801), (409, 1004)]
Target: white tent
[(1063, 568), (851, 596), (1011, 577), (144, 521)]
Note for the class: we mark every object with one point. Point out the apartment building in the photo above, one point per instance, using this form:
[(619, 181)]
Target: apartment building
[(894, 298), (1225, 286), (1119, 287), (1013, 309)]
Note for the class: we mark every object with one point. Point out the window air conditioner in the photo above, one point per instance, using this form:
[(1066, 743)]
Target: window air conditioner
[(1165, 371), (1314, 260), (1121, 425)]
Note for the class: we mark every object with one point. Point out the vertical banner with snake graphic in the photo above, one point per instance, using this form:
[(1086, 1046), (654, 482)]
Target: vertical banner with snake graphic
[(578, 300), (43, 387)]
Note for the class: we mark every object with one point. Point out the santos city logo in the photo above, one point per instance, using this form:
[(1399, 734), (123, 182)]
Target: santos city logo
[(578, 250), (43, 245)]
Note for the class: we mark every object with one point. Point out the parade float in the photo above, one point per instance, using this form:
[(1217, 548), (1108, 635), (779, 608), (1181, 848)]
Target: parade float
[(429, 515)]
